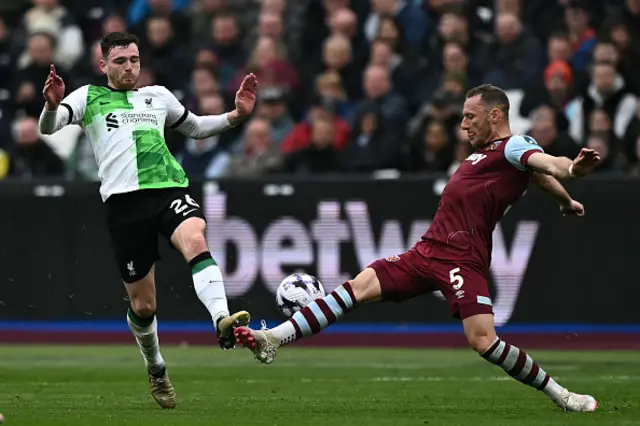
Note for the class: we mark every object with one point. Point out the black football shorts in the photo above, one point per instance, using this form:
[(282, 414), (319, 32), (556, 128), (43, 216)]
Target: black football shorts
[(136, 219)]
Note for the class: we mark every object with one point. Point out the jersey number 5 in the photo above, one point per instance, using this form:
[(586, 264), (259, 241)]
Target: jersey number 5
[(454, 277), (179, 206)]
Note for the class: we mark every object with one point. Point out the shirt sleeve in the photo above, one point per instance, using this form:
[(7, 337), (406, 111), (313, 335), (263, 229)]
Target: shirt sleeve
[(176, 112), (518, 150), (191, 125), (75, 104), (70, 111)]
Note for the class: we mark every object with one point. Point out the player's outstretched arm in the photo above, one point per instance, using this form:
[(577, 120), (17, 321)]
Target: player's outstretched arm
[(58, 112), (563, 167), (53, 118), (200, 127), (551, 186)]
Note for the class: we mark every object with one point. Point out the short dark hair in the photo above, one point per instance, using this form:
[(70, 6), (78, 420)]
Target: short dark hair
[(117, 39), (492, 97)]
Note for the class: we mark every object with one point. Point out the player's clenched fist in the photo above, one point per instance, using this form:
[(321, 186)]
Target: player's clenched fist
[(53, 89)]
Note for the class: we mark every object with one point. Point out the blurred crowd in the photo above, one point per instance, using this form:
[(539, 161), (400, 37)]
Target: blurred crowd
[(345, 86)]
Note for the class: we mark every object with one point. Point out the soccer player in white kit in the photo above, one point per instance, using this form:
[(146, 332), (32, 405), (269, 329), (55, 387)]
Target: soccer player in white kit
[(145, 190)]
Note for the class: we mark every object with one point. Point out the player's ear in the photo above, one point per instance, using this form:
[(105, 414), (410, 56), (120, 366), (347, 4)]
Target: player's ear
[(495, 115), (103, 66)]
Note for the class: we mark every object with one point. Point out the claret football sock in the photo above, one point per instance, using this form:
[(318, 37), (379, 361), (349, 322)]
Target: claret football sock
[(522, 367), (207, 281), (317, 315), (145, 330)]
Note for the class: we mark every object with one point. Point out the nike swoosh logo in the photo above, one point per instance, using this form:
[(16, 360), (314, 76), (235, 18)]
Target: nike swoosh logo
[(188, 211)]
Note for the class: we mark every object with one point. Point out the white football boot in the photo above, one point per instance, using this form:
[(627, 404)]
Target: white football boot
[(570, 401), (261, 342)]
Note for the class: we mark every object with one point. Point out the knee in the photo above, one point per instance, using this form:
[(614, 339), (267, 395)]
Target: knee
[(195, 244), (143, 307), (481, 340), (365, 286)]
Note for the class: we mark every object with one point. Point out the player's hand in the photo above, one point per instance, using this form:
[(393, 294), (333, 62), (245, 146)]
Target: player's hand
[(585, 162), (246, 96), (53, 91), (572, 208)]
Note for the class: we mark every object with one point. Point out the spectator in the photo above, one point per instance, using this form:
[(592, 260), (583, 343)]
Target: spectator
[(272, 106), (168, 61), (207, 158), (607, 91), (371, 146), (549, 136), (518, 58), (203, 82), (33, 157), (171, 10), (329, 85), (89, 72), (415, 24), (269, 63), (259, 154), (556, 91), (581, 35), (433, 150), (227, 46), (344, 22), (29, 81), (611, 160), (454, 61), (321, 108), (628, 54), (629, 15), (50, 17), (379, 91), (403, 78), (337, 57), (321, 156)]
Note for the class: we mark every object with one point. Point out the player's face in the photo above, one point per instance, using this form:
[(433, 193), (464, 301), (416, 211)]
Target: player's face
[(122, 66), (476, 122)]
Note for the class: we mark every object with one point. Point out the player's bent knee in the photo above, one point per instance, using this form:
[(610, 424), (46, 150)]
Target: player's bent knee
[(481, 344), (196, 244), (366, 286), (480, 331), (143, 308)]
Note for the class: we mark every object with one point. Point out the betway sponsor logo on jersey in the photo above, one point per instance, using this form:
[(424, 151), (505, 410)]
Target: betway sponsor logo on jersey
[(342, 229), (139, 118)]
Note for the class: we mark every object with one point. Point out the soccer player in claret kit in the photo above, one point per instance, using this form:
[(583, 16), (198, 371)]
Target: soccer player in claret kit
[(145, 190), (455, 253)]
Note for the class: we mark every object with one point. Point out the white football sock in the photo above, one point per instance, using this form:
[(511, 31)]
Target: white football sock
[(147, 339), (207, 282)]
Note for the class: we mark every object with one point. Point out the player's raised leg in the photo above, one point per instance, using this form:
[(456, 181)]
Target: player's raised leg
[(142, 321), (480, 332), (189, 238), (319, 314)]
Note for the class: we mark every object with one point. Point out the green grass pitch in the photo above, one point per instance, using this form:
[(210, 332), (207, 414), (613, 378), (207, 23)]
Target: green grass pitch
[(96, 386)]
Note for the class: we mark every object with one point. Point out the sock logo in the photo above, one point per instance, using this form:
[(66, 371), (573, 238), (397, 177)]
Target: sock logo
[(132, 270)]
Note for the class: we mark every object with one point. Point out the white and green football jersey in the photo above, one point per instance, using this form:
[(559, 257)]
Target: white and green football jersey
[(126, 132)]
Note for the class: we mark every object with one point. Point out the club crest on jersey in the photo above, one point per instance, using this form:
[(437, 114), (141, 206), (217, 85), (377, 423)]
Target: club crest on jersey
[(393, 258), (476, 157), (494, 145), (148, 102)]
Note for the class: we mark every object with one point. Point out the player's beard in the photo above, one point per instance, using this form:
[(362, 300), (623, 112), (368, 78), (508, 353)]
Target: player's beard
[(124, 82), (482, 134)]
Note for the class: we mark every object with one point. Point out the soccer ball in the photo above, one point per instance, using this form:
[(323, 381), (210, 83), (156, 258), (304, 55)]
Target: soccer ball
[(297, 291)]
